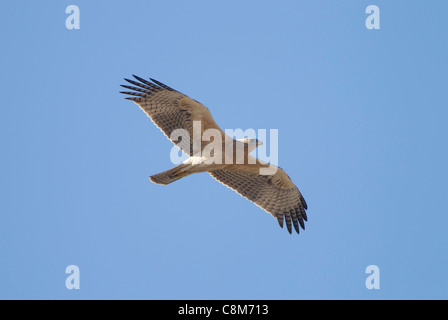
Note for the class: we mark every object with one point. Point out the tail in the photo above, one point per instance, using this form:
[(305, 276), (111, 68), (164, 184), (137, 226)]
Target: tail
[(168, 176)]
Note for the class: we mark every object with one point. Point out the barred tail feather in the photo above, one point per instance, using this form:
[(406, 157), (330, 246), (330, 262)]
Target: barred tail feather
[(170, 175)]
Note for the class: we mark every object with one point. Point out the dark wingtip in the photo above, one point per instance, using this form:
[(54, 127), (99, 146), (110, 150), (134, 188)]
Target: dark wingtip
[(296, 227), (139, 78), (294, 220), (280, 220), (302, 200), (288, 223), (302, 224), (160, 84), (300, 212)]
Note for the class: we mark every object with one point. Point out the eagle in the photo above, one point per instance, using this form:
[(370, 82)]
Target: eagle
[(171, 110)]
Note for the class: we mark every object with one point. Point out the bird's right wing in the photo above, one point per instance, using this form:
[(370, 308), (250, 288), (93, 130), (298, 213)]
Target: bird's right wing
[(171, 110)]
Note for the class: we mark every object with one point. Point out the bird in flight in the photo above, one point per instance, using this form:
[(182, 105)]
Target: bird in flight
[(232, 165)]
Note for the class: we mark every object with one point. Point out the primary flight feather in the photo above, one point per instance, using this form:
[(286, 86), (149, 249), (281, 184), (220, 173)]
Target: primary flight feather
[(171, 110)]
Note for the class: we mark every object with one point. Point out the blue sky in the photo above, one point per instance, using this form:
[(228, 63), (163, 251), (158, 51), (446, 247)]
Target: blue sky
[(361, 116)]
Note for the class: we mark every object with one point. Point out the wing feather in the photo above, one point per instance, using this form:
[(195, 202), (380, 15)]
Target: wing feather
[(276, 194), (170, 110)]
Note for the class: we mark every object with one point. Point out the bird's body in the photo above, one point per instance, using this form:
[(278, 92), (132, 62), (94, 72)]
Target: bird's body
[(187, 122)]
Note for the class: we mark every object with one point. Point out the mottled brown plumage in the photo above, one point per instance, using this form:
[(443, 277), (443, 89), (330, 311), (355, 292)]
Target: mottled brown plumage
[(171, 110)]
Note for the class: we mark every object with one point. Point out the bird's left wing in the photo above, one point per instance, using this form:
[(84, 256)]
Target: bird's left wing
[(274, 193)]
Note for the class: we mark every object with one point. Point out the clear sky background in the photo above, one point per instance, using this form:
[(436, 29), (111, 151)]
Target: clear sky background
[(362, 119)]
